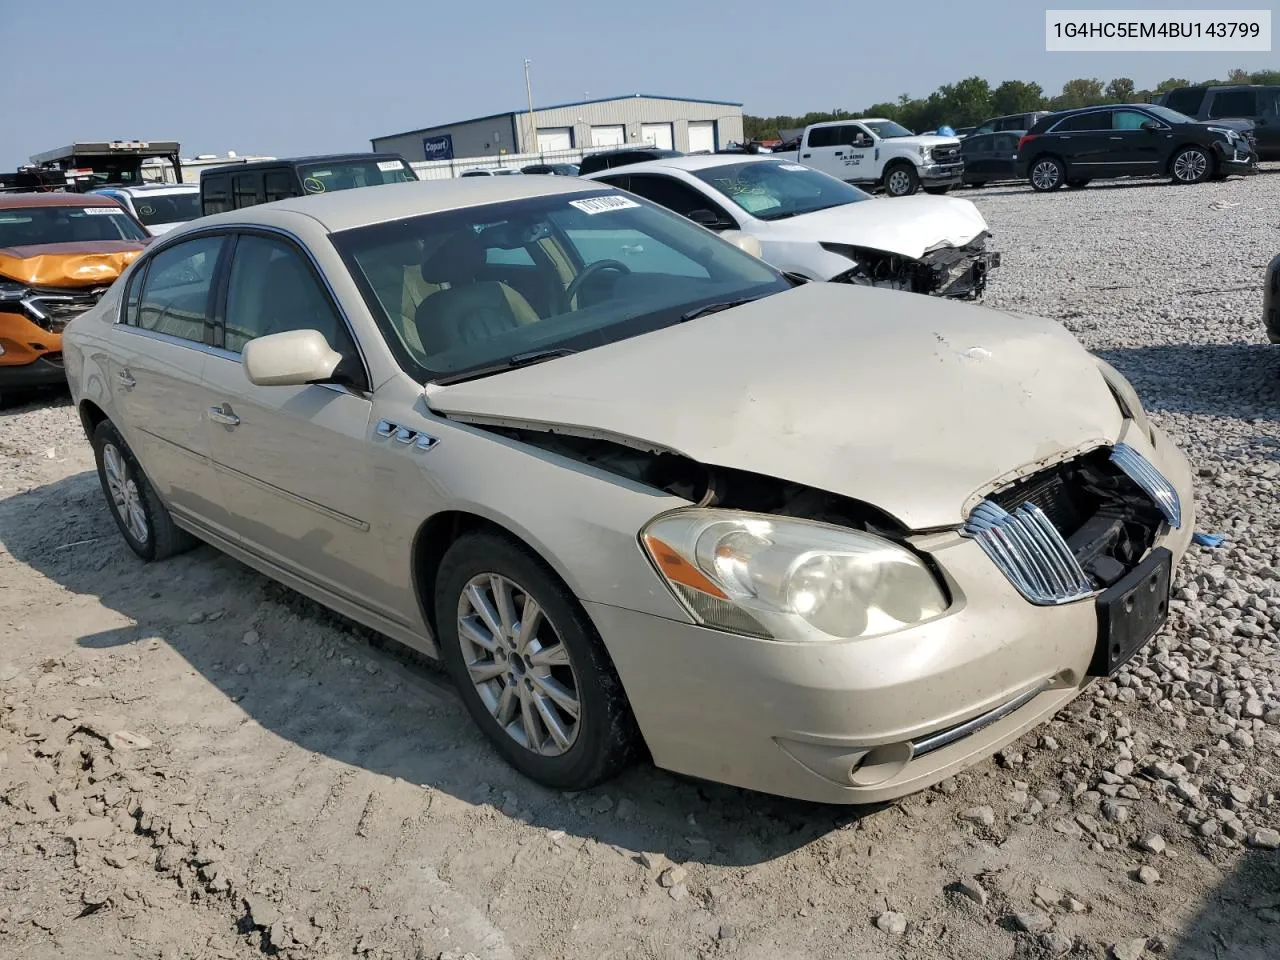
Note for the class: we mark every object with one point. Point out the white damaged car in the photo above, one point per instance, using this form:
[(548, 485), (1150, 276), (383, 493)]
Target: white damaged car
[(815, 226)]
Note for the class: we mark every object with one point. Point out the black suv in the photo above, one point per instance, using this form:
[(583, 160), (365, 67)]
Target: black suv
[(620, 158), (1129, 140), (1253, 102), (261, 181), (1014, 121)]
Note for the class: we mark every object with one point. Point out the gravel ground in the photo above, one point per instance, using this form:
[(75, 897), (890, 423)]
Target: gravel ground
[(197, 763)]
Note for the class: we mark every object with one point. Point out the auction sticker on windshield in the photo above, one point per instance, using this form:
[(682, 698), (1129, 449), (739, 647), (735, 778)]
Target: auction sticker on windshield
[(103, 212), (386, 166), (593, 205)]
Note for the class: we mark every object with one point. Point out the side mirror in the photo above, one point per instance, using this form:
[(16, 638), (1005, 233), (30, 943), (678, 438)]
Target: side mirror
[(861, 140), (707, 218), (1150, 126), (290, 359), (744, 242)]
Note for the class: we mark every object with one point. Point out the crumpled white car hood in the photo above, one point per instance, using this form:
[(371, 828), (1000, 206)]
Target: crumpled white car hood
[(907, 226), (913, 404)]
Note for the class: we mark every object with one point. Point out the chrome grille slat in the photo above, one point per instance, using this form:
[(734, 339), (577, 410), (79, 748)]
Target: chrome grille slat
[(1030, 551), (1140, 470)]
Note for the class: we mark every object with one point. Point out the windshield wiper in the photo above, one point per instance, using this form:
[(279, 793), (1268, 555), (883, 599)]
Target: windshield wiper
[(715, 308), (519, 360)]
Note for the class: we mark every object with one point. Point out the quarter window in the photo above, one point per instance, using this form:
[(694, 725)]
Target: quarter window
[(271, 289), (216, 194), (176, 290), (1234, 103)]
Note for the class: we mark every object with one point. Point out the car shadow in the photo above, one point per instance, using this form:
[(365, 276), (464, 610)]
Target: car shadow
[(1238, 919), (406, 722), (1242, 379)]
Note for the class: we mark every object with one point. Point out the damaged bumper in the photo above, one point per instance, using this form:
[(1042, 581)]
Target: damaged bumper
[(954, 272), (1236, 157), (941, 174)]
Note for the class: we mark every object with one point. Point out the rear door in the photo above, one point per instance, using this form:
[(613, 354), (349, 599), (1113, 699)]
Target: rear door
[(157, 381), (1083, 142), (294, 463)]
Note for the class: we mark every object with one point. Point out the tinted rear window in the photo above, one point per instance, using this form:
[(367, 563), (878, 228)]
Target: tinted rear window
[(215, 194), (1186, 100)]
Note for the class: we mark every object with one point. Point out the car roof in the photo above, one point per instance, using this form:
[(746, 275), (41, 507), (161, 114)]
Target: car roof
[(12, 201), (346, 209), (691, 162), (143, 189), (231, 166)]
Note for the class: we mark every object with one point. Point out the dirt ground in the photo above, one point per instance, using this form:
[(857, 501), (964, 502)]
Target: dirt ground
[(198, 763)]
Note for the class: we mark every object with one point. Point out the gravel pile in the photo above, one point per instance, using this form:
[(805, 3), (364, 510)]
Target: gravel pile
[(195, 762)]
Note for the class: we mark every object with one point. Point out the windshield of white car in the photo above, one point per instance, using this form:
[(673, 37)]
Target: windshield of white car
[(346, 174), (776, 190), (887, 129), (167, 207), (470, 292), (1167, 115), (28, 226)]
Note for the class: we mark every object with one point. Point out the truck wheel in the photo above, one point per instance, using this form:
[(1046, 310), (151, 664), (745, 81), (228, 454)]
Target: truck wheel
[(1190, 165), (1047, 173), (938, 191), (901, 180)]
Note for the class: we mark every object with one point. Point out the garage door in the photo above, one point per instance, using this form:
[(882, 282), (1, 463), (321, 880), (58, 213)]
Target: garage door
[(702, 136), (555, 138), (658, 135), (608, 136)]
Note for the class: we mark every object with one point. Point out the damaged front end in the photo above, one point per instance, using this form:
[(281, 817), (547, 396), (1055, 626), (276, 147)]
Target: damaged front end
[(944, 271)]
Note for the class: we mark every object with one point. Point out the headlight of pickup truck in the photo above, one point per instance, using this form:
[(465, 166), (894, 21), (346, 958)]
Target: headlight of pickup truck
[(786, 579)]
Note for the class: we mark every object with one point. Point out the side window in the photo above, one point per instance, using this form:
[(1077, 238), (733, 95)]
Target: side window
[(215, 194), (271, 289), (822, 137), (1269, 102), (132, 295), (672, 194), (175, 292), (246, 189), (1081, 122), (1128, 120), (618, 180), (1234, 103), (279, 185), (846, 135)]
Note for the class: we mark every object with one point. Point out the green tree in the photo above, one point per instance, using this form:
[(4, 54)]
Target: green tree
[(1238, 76), (1080, 92), (1164, 86), (1120, 90), (1016, 96), (1265, 76), (961, 104)]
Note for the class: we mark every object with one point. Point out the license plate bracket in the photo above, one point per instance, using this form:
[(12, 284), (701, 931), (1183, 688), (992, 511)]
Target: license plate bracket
[(1131, 611)]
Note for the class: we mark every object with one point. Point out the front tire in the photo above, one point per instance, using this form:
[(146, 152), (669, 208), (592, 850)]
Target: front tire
[(938, 191), (139, 512), (529, 666), (1047, 174), (901, 180), (1191, 165)]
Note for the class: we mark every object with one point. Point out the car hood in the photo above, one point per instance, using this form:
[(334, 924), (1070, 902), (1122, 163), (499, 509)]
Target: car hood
[(69, 264), (911, 403), (1242, 125), (907, 226), (925, 140)]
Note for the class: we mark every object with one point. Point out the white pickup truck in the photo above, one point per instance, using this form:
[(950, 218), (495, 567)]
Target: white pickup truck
[(874, 152)]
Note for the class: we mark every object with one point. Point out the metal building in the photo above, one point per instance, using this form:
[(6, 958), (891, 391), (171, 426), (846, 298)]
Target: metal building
[(675, 123)]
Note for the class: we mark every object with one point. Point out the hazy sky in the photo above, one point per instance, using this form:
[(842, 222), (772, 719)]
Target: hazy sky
[(285, 77)]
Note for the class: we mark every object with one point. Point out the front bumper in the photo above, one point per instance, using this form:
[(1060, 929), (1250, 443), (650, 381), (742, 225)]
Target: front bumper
[(941, 174), (30, 356), (1235, 157), (843, 722), (961, 273)]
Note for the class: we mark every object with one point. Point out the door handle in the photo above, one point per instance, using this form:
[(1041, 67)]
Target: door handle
[(126, 380), (839, 153), (805, 155), (1117, 138), (219, 415)]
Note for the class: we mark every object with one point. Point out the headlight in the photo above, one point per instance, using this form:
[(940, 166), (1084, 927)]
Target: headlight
[(12, 292), (1126, 397), (924, 153), (785, 579), (1225, 131)]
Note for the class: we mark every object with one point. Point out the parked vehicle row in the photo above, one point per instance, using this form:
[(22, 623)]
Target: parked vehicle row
[(904, 600), (880, 153)]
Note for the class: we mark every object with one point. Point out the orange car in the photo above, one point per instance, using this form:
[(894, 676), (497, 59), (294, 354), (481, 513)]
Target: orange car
[(59, 252)]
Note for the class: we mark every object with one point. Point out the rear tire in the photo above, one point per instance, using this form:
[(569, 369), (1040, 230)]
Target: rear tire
[(1191, 165), (141, 515), (500, 673), (901, 180), (1047, 174)]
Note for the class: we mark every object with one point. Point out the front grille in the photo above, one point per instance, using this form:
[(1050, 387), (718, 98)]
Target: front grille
[(1031, 552), (945, 154), (54, 310), (1068, 531)]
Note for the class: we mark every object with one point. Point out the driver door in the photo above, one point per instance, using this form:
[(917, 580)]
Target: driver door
[(859, 160)]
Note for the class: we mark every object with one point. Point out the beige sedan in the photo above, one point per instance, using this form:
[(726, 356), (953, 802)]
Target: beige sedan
[(633, 485)]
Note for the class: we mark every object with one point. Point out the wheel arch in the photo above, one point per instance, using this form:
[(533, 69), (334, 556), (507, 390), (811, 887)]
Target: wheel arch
[(90, 416), (1208, 152)]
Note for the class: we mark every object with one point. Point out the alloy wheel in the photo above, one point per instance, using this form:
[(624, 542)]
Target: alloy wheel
[(1190, 166), (518, 664), (899, 183), (126, 498), (1045, 175)]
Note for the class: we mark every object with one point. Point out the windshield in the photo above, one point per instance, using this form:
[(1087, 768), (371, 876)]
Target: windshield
[(775, 190), (1167, 115), (887, 129), (467, 291), (347, 174), (155, 209), (28, 226)]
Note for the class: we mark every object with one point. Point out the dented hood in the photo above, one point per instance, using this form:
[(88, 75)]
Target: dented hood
[(907, 226), (911, 403), (68, 264)]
